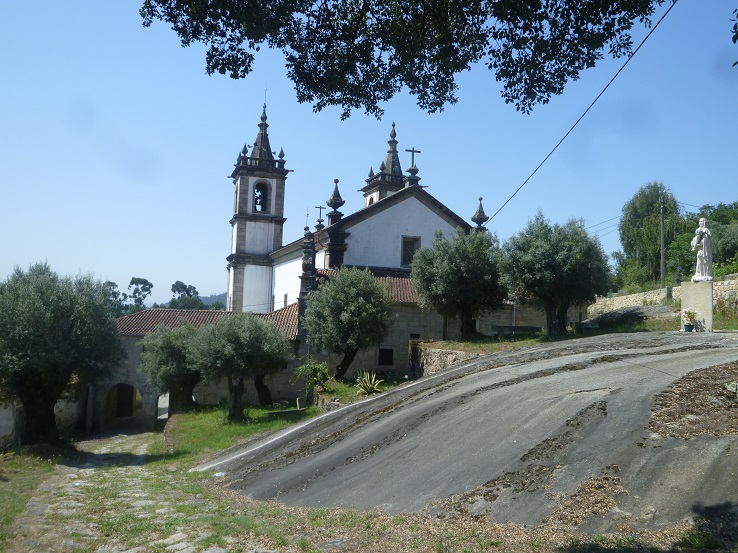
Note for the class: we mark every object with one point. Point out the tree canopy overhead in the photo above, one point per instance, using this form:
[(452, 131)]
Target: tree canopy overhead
[(359, 54)]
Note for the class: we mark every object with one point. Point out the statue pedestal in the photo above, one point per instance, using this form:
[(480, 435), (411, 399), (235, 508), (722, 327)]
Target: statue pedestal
[(698, 296)]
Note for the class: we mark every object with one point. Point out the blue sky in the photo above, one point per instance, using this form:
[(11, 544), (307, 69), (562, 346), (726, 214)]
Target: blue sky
[(115, 146)]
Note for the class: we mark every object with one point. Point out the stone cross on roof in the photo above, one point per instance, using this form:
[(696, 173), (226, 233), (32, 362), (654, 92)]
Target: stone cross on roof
[(413, 151)]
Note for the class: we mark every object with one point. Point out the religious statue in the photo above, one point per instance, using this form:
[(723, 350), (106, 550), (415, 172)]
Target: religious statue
[(702, 244)]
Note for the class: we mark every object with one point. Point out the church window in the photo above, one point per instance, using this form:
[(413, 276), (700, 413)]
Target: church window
[(386, 357), (371, 200), (410, 244), (261, 198)]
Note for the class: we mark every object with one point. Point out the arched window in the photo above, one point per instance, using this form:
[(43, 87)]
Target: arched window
[(261, 198), (371, 200)]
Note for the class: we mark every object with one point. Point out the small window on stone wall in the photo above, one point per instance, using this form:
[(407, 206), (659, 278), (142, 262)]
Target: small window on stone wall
[(386, 357), (415, 336)]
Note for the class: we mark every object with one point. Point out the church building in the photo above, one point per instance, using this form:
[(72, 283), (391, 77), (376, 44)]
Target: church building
[(269, 277), (399, 216)]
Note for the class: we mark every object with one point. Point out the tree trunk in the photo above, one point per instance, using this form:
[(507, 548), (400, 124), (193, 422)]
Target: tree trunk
[(235, 399), (265, 396), (561, 317), (551, 325), (348, 357), (468, 327), (180, 397), (40, 418), (556, 319)]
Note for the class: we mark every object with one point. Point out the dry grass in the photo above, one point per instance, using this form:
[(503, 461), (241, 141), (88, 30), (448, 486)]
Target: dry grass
[(698, 404)]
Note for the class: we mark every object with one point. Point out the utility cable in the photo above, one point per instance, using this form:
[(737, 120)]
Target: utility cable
[(583, 114), (602, 223)]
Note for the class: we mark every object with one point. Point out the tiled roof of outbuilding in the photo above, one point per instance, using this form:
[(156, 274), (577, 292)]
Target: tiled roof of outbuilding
[(397, 281), (285, 319), (146, 321)]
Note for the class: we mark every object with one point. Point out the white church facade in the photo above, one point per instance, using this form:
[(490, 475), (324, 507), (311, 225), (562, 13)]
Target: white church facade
[(398, 218)]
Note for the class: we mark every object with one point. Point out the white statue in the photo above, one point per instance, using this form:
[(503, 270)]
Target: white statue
[(702, 244)]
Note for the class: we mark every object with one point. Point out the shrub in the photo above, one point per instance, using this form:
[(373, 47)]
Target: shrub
[(315, 373), (368, 383)]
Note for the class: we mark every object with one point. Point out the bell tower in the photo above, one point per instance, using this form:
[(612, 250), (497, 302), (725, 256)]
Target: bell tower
[(257, 224)]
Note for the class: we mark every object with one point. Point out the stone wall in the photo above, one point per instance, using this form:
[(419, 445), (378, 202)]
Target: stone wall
[(12, 420), (429, 360), (725, 290), (524, 315)]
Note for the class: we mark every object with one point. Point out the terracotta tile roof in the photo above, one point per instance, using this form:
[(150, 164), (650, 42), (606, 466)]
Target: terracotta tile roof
[(400, 288), (147, 321), (285, 319), (397, 281)]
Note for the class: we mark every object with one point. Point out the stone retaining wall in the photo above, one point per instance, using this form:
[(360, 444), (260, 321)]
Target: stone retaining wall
[(428, 360), (725, 291)]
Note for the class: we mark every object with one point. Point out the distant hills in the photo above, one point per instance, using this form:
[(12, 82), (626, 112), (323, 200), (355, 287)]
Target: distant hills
[(212, 298)]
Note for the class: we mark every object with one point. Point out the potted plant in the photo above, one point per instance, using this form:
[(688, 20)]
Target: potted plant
[(689, 318)]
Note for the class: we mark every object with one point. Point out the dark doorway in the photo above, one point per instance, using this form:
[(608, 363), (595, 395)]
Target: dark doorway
[(123, 401), (124, 404)]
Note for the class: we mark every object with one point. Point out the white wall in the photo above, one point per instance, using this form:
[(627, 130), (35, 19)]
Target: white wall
[(257, 289), (287, 281), (377, 240), (259, 236)]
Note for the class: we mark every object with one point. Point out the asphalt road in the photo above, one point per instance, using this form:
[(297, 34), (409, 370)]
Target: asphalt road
[(506, 435)]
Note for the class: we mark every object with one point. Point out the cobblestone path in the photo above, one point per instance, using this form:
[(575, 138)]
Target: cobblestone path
[(85, 503)]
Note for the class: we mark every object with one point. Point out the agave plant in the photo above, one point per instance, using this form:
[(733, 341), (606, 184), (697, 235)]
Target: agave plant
[(368, 383)]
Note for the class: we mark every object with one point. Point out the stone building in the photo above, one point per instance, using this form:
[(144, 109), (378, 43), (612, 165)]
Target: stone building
[(271, 278)]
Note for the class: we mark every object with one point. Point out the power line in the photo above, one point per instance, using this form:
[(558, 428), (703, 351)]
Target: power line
[(602, 223), (583, 114), (599, 231), (606, 233)]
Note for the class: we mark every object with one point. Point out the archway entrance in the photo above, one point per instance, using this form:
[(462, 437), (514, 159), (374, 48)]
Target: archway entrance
[(123, 402)]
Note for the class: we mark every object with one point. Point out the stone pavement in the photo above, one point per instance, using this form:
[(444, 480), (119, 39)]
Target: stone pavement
[(76, 509)]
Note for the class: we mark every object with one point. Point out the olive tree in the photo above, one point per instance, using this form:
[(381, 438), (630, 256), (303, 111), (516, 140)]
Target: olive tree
[(460, 277), (168, 363), (56, 335), (347, 313), (238, 347), (557, 266)]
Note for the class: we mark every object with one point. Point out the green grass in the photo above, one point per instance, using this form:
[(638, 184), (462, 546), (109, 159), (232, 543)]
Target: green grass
[(20, 474), (207, 430), (699, 540), (346, 390)]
